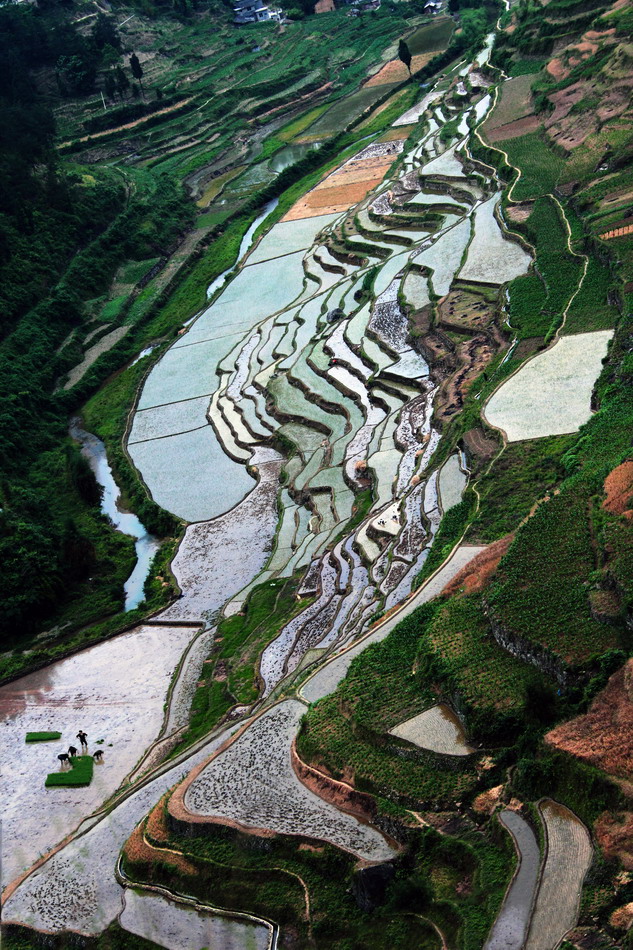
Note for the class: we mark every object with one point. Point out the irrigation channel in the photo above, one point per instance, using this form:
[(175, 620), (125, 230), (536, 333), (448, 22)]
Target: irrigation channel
[(307, 341)]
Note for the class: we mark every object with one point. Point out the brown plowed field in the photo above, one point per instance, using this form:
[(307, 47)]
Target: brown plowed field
[(618, 486), (478, 573), (342, 188), (396, 71), (529, 123), (603, 737)]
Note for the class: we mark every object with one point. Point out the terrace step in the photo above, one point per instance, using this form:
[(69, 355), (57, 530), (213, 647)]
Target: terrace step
[(224, 433)]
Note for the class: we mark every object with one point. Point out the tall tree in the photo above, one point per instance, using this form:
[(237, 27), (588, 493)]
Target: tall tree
[(122, 82), (137, 71), (404, 54)]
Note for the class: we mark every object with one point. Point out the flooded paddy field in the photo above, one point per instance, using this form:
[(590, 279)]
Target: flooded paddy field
[(169, 924), (437, 729), (551, 394), (115, 692)]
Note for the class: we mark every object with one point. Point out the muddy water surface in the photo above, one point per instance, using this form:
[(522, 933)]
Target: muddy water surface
[(510, 928)]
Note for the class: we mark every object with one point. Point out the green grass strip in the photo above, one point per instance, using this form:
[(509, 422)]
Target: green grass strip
[(42, 736)]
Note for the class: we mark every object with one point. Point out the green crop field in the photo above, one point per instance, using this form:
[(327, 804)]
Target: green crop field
[(42, 736), (541, 592)]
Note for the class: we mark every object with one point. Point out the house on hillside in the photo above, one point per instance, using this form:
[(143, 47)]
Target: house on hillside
[(433, 6), (254, 11)]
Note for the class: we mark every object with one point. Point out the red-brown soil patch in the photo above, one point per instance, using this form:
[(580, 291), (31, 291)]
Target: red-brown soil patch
[(622, 918), (617, 232), (604, 735), (396, 71), (599, 34), (138, 850), (477, 574), (487, 801), (400, 133), (618, 486), (519, 212), (556, 70), (614, 834), (156, 826), (324, 6), (340, 794), (513, 130), (479, 447), (343, 188)]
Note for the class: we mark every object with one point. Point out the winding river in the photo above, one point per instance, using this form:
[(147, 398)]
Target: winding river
[(146, 545)]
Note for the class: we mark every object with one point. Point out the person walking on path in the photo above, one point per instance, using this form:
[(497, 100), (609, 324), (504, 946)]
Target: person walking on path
[(83, 738)]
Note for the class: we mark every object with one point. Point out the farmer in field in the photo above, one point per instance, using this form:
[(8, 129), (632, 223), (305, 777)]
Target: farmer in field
[(83, 738)]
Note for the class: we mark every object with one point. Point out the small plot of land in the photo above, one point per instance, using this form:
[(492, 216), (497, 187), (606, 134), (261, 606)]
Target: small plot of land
[(569, 854), (492, 258), (115, 692), (253, 784), (347, 185), (452, 482), (550, 395), (513, 113), (396, 71), (510, 928), (437, 729)]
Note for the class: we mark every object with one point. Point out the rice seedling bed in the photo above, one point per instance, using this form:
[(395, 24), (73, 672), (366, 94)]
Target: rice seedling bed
[(80, 774), (569, 854), (550, 395), (42, 736), (491, 257)]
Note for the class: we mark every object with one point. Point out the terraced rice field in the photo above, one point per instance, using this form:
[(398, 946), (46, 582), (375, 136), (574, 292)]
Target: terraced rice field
[(551, 394), (237, 786), (351, 391), (569, 854), (491, 258), (452, 482)]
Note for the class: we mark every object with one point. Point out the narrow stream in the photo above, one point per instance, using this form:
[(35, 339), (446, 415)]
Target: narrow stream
[(247, 240), (146, 545)]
